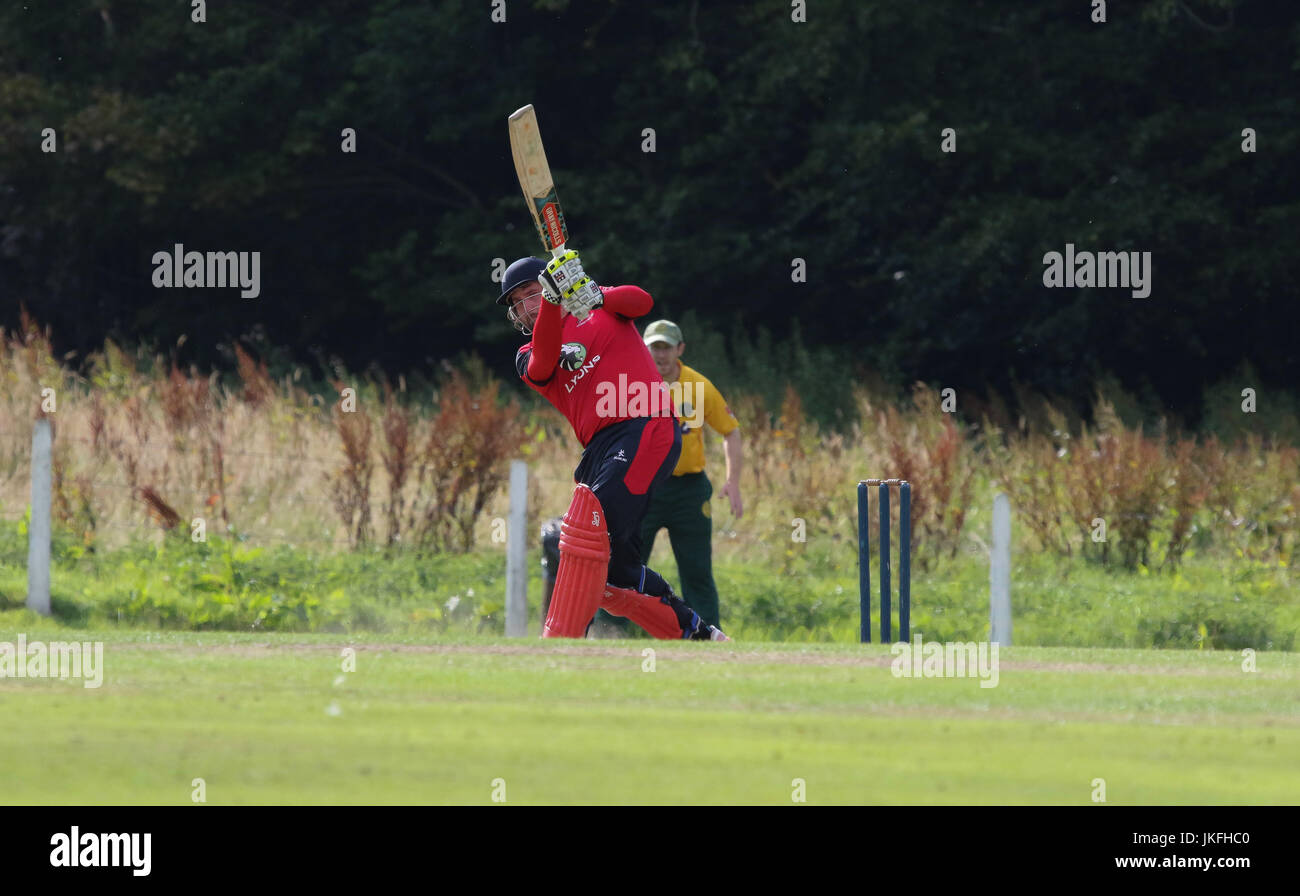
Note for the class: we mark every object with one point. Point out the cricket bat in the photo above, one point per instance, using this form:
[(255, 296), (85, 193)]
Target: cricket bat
[(535, 180)]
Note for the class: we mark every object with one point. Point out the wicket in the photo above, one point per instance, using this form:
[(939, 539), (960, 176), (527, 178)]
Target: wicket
[(904, 559)]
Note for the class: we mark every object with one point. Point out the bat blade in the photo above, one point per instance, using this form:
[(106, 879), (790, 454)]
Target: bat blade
[(535, 179)]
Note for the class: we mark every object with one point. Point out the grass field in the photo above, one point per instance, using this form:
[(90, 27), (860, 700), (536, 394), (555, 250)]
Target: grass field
[(767, 593), (273, 718)]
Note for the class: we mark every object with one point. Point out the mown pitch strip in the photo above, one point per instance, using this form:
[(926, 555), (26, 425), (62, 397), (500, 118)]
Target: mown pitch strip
[(267, 719)]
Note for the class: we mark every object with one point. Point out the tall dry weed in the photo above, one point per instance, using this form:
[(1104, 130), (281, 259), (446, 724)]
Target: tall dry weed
[(142, 444)]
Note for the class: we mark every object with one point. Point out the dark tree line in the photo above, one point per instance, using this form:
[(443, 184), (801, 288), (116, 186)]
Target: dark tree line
[(774, 141)]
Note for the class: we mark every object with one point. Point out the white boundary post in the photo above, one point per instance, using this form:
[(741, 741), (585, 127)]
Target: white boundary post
[(517, 553), (38, 533), (1000, 574)]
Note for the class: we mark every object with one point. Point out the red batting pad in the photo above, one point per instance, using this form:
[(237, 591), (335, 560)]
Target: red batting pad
[(652, 614), (584, 565)]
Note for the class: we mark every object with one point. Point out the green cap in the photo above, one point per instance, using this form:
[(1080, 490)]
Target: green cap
[(663, 331)]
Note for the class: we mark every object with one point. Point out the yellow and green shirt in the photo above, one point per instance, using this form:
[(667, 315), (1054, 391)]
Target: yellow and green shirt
[(692, 387)]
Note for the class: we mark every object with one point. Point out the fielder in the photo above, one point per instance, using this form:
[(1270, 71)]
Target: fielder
[(682, 505), (583, 341)]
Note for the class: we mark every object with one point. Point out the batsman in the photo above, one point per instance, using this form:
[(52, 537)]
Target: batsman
[(583, 348)]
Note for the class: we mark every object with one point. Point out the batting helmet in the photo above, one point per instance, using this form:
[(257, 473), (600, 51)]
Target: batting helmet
[(525, 270)]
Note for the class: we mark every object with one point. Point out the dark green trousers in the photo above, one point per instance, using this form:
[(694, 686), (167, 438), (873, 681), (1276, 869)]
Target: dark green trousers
[(681, 505)]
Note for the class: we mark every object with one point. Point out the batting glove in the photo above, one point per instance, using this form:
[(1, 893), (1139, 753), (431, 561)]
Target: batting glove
[(565, 279)]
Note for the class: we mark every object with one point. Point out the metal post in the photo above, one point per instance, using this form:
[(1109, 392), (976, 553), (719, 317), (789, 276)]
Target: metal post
[(905, 561), (884, 564), (864, 564), (1000, 574), (38, 531), (517, 553)]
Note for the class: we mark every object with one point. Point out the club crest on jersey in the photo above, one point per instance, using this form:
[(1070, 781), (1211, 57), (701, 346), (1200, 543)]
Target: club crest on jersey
[(582, 367), (572, 354)]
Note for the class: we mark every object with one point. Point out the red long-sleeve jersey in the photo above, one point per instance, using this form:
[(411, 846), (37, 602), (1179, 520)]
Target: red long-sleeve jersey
[(598, 371)]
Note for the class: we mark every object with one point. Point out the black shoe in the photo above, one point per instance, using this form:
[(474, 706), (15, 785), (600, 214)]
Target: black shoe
[(693, 627)]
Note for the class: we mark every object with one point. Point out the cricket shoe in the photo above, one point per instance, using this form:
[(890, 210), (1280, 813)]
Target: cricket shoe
[(716, 634), (693, 627), (702, 631)]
